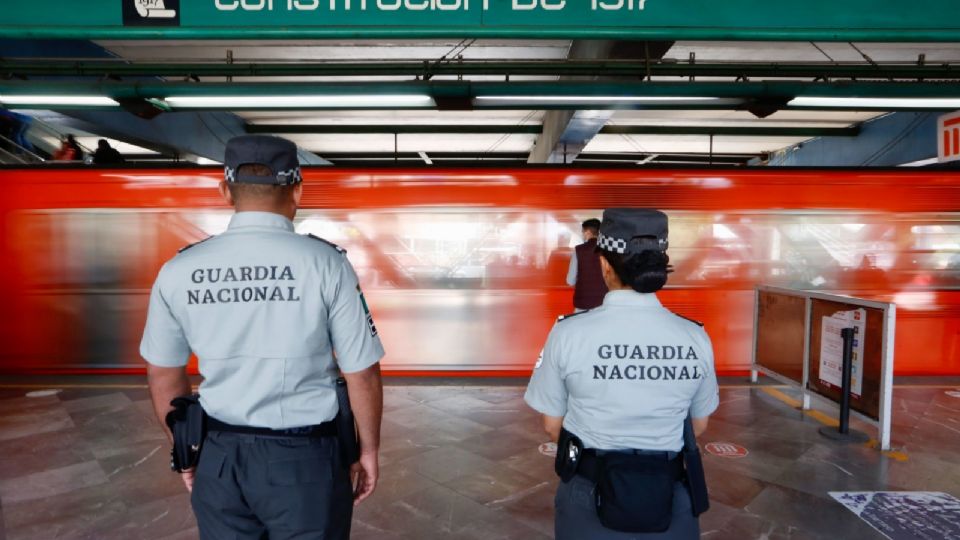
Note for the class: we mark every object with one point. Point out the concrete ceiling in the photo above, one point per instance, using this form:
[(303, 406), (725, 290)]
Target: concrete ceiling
[(483, 144)]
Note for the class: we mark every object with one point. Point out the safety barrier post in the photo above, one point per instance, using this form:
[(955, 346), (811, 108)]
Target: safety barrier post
[(843, 432)]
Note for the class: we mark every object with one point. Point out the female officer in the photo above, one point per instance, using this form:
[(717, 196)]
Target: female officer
[(615, 385)]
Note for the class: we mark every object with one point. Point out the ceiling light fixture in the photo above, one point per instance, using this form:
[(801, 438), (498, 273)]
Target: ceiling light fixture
[(876, 103), (54, 101), (300, 102), (604, 100)]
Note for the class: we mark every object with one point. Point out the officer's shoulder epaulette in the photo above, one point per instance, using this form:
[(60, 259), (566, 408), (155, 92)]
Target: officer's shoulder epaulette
[(698, 323), (339, 249), (188, 246), (570, 315)]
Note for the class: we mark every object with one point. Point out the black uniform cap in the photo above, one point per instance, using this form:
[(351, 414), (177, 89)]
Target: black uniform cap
[(278, 155), (633, 230)]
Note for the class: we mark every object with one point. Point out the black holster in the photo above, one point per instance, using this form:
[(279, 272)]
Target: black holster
[(346, 426), (188, 424), (569, 450), (696, 480)]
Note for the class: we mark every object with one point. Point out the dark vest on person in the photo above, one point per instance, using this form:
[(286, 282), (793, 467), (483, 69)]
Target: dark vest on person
[(590, 289)]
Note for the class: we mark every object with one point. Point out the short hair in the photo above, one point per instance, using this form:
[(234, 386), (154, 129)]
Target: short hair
[(592, 225), (272, 192)]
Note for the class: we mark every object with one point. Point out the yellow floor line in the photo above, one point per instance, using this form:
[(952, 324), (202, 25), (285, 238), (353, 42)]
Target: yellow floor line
[(828, 420), (821, 417), (781, 396)]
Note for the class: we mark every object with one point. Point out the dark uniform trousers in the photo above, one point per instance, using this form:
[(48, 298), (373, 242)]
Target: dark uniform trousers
[(576, 516), (276, 488)]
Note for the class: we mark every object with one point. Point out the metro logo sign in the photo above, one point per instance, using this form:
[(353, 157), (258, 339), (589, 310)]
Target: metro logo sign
[(949, 138), (151, 12)]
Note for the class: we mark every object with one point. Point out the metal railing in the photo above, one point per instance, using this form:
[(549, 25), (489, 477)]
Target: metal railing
[(13, 153), (39, 129)]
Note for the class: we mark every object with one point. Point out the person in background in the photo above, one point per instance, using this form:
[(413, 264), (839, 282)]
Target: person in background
[(584, 273), (77, 149), (106, 154), (69, 150), (559, 261)]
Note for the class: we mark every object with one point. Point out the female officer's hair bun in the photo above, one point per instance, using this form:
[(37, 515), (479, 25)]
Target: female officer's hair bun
[(644, 272)]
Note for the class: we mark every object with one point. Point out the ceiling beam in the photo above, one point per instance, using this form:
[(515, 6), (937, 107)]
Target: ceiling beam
[(565, 134), (560, 127), (517, 158), (427, 70), (320, 129), (194, 133), (402, 129), (734, 131), (655, 158), (551, 95), (416, 155)]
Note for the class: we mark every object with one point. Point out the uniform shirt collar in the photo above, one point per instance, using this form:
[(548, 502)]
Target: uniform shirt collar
[(260, 219), (631, 298)]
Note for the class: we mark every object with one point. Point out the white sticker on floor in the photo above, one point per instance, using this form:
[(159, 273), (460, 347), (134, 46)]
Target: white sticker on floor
[(953, 393), (43, 393), (549, 449), (905, 515)]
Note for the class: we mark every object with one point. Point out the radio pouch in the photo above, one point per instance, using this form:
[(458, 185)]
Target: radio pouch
[(634, 492)]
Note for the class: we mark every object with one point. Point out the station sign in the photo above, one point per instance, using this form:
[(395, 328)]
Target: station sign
[(827, 20), (948, 137)]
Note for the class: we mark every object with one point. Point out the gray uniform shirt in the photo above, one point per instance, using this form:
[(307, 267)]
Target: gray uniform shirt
[(624, 375), (270, 314)]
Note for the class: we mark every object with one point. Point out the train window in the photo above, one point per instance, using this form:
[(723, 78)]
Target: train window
[(472, 248)]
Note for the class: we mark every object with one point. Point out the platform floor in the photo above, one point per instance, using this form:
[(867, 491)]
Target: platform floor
[(459, 462)]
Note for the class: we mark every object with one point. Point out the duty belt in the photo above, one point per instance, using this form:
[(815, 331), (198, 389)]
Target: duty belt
[(590, 462), (326, 429)]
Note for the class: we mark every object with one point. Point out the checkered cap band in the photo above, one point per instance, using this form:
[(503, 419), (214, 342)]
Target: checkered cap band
[(289, 177), (616, 245), (609, 243), (284, 178)]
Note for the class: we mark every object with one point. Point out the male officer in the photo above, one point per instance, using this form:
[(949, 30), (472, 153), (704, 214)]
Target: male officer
[(619, 381), (271, 315), (584, 273)]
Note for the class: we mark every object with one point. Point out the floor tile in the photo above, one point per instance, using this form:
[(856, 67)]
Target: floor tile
[(460, 462), (41, 485)]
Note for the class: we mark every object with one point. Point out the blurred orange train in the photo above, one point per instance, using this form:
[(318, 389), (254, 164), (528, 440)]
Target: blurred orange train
[(464, 269)]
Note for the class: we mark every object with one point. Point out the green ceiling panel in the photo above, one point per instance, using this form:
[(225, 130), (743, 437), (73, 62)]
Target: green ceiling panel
[(846, 20)]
